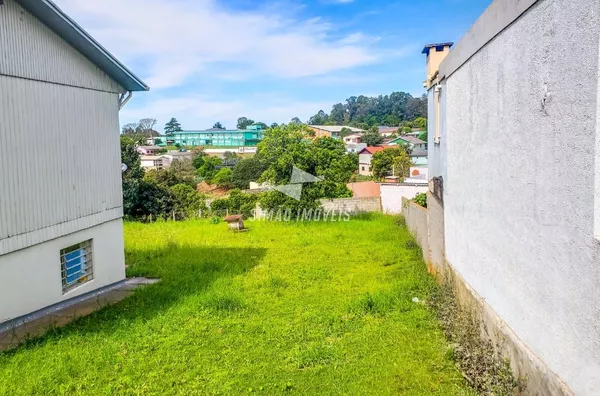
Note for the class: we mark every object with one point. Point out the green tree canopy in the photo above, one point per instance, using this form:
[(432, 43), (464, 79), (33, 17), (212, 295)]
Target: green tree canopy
[(420, 122), (284, 148), (223, 178), (172, 127), (391, 162), (247, 170), (243, 122), (372, 137), (218, 125)]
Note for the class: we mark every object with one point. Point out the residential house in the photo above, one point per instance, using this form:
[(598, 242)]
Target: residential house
[(61, 205), (248, 137), (149, 162), (148, 150), (168, 158), (354, 138), (419, 158), (517, 230), (334, 131), (386, 131), (414, 143), (364, 159), (355, 148)]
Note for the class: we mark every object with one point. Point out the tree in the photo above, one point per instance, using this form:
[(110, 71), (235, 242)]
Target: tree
[(198, 158), (274, 125), (243, 123), (345, 132), (372, 137), (423, 136), (295, 121), (420, 122), (186, 201), (286, 147), (180, 172), (321, 118), (130, 129), (262, 125), (172, 127), (218, 125), (247, 170), (146, 127), (230, 158), (209, 169), (391, 162), (223, 178)]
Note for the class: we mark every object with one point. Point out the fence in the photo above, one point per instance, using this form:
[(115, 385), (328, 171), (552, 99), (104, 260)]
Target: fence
[(352, 205)]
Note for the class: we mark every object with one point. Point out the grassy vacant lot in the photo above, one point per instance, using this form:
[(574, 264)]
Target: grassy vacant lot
[(309, 308)]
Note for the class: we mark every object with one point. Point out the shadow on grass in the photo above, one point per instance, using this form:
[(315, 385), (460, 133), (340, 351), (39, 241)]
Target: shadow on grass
[(183, 271)]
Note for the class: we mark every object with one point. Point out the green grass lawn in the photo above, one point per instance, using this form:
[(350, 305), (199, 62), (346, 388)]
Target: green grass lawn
[(308, 308)]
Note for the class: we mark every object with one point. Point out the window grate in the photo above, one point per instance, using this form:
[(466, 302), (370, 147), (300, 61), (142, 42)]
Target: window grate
[(76, 265)]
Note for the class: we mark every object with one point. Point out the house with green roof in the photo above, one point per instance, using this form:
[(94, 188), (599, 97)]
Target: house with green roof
[(413, 142)]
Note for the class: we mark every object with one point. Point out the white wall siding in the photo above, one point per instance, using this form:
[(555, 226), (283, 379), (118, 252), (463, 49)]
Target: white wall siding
[(31, 278), (28, 49), (59, 161)]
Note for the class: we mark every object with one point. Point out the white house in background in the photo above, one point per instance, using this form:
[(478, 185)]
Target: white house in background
[(386, 131), (364, 160), (149, 162), (61, 204), (168, 158), (354, 138), (355, 148)]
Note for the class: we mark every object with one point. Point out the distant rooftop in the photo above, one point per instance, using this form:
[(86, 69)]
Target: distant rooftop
[(437, 46), (419, 153), (409, 139)]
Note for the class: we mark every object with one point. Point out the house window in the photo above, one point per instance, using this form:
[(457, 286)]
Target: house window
[(76, 265), (363, 168)]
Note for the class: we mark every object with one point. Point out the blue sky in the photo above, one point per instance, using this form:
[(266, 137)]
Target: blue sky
[(209, 61)]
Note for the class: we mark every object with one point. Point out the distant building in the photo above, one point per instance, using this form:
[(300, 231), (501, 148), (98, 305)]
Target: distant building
[(364, 160), (148, 150), (149, 162), (419, 158), (386, 131), (216, 137), (355, 148), (410, 141), (334, 131), (354, 138), (61, 202), (168, 158)]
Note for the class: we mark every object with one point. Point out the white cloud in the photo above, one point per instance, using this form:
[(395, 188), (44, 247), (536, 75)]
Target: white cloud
[(177, 40)]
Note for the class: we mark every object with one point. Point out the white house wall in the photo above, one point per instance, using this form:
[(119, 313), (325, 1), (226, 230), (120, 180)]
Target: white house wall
[(29, 49), (60, 165), (519, 208), (31, 278)]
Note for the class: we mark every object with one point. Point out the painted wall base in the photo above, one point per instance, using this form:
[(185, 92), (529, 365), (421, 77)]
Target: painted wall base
[(427, 225), (31, 280)]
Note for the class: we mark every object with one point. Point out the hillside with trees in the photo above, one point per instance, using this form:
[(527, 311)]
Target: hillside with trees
[(363, 111)]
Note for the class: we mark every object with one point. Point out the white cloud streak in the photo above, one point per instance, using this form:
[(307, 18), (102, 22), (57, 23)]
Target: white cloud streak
[(178, 39)]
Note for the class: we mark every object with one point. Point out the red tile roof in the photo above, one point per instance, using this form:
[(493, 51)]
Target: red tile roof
[(374, 149)]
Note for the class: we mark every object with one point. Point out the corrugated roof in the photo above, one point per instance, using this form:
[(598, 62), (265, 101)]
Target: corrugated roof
[(53, 17), (409, 139)]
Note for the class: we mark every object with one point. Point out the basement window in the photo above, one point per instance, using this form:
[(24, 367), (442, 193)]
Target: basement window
[(76, 265)]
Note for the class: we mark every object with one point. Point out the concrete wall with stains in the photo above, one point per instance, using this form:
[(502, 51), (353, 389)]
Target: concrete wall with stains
[(520, 207)]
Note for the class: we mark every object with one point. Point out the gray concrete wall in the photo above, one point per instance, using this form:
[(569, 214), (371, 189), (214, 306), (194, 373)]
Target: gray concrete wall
[(416, 221), (352, 205), (520, 207), (436, 238)]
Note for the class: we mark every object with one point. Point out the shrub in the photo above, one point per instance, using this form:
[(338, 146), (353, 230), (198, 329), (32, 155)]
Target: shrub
[(421, 199)]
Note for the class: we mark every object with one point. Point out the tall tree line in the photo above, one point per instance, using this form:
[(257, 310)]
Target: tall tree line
[(390, 110)]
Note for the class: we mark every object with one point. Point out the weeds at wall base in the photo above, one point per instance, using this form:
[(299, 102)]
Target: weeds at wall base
[(479, 359)]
